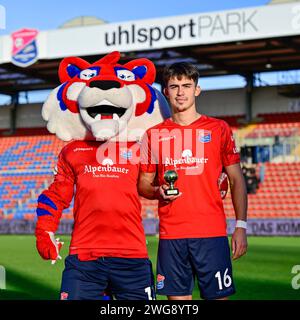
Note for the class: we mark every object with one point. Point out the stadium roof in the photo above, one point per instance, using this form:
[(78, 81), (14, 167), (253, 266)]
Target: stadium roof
[(240, 41), (281, 1)]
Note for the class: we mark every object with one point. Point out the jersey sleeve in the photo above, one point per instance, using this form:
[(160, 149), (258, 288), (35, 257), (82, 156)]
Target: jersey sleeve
[(147, 159), (57, 197), (229, 152)]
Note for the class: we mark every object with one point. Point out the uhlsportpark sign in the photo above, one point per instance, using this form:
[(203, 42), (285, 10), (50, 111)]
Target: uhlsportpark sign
[(177, 31)]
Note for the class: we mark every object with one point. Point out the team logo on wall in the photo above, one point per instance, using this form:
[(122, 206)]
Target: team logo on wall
[(24, 50)]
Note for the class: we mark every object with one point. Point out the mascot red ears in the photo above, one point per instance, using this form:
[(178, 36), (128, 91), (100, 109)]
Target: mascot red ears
[(104, 100)]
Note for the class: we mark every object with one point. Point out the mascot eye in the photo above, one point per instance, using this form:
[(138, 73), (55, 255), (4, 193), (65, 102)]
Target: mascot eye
[(87, 74), (125, 75)]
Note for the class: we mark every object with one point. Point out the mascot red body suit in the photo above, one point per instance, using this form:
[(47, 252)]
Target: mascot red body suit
[(103, 109)]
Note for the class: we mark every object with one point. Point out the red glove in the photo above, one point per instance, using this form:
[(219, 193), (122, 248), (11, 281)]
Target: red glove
[(47, 246), (223, 184)]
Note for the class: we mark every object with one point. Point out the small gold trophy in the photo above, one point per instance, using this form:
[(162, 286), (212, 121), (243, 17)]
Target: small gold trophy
[(171, 176)]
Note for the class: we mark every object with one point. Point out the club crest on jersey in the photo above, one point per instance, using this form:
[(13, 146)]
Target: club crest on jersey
[(160, 281), (126, 153), (205, 136)]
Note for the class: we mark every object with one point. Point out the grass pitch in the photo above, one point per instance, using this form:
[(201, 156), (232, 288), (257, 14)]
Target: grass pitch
[(264, 273)]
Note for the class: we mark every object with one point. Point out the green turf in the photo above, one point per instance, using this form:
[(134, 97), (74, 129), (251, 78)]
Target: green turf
[(264, 273)]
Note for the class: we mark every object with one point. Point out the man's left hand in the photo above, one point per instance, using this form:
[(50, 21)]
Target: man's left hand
[(239, 243)]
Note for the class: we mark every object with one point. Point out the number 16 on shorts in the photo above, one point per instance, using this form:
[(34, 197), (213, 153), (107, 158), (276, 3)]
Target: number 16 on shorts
[(224, 280)]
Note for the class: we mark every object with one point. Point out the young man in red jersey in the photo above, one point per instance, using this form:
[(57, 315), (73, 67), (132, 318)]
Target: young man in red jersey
[(193, 238)]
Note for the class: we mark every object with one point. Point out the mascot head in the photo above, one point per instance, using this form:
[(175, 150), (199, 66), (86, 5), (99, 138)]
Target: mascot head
[(104, 100)]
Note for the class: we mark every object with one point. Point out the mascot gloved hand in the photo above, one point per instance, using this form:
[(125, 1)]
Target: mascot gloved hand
[(47, 246)]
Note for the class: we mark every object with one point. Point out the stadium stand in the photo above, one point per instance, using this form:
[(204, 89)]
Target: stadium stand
[(278, 195), (281, 129), (26, 164), (233, 121), (149, 208), (280, 117), (283, 124)]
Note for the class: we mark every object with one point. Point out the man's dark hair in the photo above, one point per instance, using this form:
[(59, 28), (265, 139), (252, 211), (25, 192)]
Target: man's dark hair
[(179, 70)]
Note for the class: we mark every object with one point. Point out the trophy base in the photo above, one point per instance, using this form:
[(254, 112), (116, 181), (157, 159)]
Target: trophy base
[(171, 192)]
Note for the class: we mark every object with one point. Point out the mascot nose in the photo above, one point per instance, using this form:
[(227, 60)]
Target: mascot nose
[(105, 84)]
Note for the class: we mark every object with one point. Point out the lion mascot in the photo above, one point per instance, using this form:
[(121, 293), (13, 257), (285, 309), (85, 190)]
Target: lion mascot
[(103, 109)]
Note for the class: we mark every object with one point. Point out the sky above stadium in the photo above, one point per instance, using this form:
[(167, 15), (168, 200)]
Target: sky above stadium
[(51, 14)]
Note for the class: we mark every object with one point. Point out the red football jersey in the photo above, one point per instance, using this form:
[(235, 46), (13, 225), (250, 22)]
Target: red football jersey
[(197, 153), (107, 209)]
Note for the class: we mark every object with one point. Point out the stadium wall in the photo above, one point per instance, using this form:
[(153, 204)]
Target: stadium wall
[(28, 116), (233, 102), (4, 117), (256, 227), (213, 103)]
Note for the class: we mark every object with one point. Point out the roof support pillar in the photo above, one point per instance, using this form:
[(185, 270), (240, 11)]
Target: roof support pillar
[(249, 91), (13, 112)]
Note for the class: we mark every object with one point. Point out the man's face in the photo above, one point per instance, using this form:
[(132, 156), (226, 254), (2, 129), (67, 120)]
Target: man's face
[(182, 93)]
